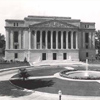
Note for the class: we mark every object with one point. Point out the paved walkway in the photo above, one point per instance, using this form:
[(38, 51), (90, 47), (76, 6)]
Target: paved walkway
[(56, 62), (35, 95)]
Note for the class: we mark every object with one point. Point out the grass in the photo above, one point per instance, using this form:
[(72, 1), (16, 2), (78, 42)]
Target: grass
[(43, 72), (13, 64), (7, 89), (52, 70), (46, 71), (53, 85)]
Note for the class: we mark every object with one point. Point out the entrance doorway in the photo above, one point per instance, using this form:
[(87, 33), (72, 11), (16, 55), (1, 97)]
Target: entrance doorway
[(64, 56), (54, 56), (43, 56)]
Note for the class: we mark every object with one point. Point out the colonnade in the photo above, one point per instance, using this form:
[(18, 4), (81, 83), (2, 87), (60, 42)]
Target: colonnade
[(43, 39), (53, 39)]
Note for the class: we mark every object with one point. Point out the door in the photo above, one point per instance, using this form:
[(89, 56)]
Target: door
[(64, 56), (43, 56), (54, 56)]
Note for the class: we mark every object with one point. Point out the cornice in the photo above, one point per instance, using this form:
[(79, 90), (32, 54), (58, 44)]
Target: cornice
[(11, 27), (14, 20), (87, 28)]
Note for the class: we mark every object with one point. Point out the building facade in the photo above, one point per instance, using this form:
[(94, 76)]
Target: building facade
[(38, 38)]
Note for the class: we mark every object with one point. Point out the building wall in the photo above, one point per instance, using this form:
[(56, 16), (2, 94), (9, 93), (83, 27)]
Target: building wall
[(10, 55), (91, 53), (36, 55)]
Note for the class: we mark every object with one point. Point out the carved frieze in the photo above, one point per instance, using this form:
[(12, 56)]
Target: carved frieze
[(54, 24)]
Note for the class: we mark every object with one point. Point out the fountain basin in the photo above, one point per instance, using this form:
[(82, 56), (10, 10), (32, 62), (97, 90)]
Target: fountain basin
[(81, 75)]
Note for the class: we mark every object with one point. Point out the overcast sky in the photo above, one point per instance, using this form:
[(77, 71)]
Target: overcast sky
[(85, 10)]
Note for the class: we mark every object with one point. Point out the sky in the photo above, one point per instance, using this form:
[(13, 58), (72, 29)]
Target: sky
[(85, 10)]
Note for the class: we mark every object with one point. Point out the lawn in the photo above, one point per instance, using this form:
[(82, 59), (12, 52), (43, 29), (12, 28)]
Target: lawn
[(13, 64), (53, 85), (46, 71), (7, 89)]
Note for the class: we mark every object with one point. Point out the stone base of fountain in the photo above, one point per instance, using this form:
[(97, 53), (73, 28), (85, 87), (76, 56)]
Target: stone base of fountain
[(81, 75)]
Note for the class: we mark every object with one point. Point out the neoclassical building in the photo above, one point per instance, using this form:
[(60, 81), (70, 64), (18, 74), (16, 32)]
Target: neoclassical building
[(38, 38)]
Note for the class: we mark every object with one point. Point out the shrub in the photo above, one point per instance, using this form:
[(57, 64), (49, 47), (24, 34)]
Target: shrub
[(25, 60), (23, 73)]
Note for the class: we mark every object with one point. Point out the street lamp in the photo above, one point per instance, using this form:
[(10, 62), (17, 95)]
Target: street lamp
[(60, 94)]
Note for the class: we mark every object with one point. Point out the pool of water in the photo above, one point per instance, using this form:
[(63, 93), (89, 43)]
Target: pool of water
[(83, 74)]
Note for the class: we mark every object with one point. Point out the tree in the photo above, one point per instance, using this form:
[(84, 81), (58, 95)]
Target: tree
[(97, 43), (2, 43), (23, 74)]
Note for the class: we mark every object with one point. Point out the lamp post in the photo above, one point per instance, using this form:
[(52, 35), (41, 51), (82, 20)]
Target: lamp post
[(60, 94)]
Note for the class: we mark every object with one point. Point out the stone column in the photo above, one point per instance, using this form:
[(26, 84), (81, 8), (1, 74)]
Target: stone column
[(71, 40), (19, 39), (35, 39), (56, 39), (83, 39), (40, 39), (24, 35), (46, 40), (7, 39), (90, 40), (93, 39), (29, 39), (11, 40), (51, 39), (61, 39), (76, 40), (66, 39)]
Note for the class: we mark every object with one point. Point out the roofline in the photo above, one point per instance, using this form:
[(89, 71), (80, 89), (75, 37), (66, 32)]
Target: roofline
[(88, 22), (14, 20), (52, 18), (49, 17)]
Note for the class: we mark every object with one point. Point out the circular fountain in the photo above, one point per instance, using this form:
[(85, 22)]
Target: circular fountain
[(81, 74)]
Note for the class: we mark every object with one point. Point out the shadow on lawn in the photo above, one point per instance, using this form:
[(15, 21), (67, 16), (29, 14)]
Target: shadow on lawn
[(33, 84), (7, 89)]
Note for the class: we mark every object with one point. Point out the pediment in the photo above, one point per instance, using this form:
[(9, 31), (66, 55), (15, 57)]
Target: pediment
[(54, 24)]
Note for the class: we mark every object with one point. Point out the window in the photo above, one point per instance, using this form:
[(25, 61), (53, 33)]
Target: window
[(17, 24), (38, 39), (86, 37), (43, 39), (14, 24), (87, 54), (59, 40), (74, 40), (86, 26), (16, 47), (43, 56), (49, 39), (16, 36), (54, 39), (86, 46), (69, 39), (16, 55), (64, 39)]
